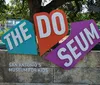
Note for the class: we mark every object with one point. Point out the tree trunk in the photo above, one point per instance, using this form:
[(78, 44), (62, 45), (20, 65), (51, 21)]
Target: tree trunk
[(34, 7)]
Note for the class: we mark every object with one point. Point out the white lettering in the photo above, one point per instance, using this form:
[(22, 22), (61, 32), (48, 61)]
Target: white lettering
[(91, 35), (24, 31), (8, 41), (17, 36), (40, 26), (73, 49), (83, 48), (62, 57), (62, 23)]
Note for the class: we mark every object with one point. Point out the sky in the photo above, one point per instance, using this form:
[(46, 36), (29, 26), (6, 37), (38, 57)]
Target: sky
[(45, 2), (7, 1)]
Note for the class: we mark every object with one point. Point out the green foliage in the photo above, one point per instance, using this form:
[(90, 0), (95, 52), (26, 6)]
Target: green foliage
[(73, 16), (20, 9), (98, 23), (80, 17), (2, 6), (3, 31), (17, 9)]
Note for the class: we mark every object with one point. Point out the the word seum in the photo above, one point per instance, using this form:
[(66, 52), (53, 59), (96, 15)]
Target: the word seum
[(50, 29)]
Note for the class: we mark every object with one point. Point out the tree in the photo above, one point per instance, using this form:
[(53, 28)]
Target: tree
[(2, 5), (19, 9), (3, 8), (27, 8), (35, 5)]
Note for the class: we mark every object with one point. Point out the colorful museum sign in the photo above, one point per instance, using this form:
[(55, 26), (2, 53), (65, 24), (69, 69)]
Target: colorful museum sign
[(21, 39), (84, 36), (50, 29)]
